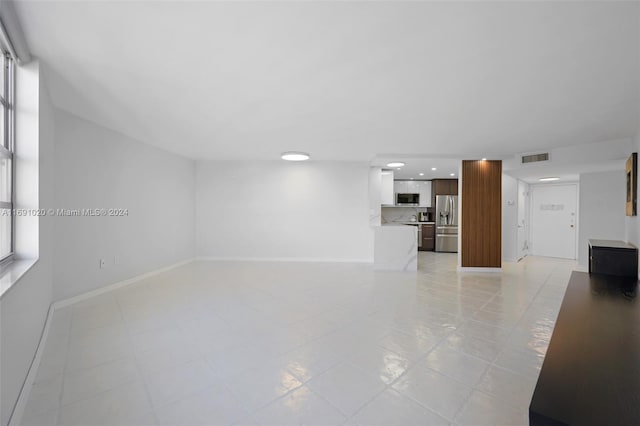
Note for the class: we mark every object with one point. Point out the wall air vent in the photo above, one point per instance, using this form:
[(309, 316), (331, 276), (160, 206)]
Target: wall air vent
[(534, 158)]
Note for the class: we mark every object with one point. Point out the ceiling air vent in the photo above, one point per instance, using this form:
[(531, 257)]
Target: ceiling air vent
[(534, 158)]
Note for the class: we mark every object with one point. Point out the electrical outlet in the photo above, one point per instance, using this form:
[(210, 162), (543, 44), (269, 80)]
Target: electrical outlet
[(103, 263)]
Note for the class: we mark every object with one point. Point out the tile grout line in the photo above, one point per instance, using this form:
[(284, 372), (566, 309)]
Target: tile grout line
[(423, 357), (489, 364), (136, 362), (466, 399), (494, 365)]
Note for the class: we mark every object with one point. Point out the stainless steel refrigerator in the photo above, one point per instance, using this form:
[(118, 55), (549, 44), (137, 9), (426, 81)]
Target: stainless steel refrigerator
[(447, 223)]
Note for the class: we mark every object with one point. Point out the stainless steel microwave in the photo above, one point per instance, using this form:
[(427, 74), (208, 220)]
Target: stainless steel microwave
[(407, 199)]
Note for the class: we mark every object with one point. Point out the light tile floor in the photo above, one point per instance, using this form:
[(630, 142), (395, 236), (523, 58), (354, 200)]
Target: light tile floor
[(303, 343)]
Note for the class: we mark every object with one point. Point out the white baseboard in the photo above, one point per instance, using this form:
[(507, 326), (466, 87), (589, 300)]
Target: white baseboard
[(466, 269), (18, 411), (88, 295), (282, 259), (23, 397)]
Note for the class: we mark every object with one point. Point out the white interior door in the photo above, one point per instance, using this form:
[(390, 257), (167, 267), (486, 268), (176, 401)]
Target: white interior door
[(553, 220), (523, 220)]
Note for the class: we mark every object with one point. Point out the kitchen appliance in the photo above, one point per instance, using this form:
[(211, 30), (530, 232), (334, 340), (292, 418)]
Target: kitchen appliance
[(424, 217), (403, 199), (447, 223)]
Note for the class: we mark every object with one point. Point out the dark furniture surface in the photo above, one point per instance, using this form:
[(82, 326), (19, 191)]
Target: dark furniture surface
[(613, 257), (591, 372), (428, 237)]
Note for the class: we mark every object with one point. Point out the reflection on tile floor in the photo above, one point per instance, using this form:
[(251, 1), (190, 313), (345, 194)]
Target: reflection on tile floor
[(303, 343)]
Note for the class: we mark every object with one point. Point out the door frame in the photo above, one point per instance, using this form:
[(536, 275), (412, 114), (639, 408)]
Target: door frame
[(532, 187)]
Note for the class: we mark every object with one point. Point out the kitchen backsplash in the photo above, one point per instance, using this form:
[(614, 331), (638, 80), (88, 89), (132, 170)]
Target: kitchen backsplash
[(400, 214)]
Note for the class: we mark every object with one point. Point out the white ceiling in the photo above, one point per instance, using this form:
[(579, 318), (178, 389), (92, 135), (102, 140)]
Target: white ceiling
[(343, 80), (414, 166), (566, 172)]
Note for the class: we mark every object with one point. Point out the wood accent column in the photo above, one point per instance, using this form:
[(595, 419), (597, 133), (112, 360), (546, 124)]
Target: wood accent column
[(481, 231)]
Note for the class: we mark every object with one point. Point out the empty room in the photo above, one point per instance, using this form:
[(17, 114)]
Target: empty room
[(319, 212)]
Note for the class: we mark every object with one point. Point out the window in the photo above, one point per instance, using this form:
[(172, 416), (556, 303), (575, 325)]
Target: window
[(6, 158)]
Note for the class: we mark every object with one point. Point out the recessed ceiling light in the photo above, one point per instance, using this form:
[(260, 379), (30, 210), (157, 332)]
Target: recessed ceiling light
[(484, 159), (452, 174), (433, 169), (294, 156), (410, 178), (421, 174), (548, 179), (395, 164)]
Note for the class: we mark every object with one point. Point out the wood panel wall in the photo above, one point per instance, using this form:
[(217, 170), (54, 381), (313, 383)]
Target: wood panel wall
[(481, 226)]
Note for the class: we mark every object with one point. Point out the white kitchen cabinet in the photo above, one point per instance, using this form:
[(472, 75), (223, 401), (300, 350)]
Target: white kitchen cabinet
[(400, 186), (413, 187), (387, 196), (424, 189)]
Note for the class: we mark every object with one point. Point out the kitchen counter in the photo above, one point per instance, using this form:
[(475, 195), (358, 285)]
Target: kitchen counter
[(409, 223), (396, 247)]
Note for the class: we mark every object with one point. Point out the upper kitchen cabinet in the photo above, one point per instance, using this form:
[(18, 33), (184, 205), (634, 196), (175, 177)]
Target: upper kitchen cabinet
[(443, 187), (401, 187), (387, 190), (422, 187)]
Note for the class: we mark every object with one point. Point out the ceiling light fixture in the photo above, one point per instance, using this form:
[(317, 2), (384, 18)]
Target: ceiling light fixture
[(548, 179), (421, 174), (484, 159), (452, 174), (295, 156), (433, 169), (395, 164)]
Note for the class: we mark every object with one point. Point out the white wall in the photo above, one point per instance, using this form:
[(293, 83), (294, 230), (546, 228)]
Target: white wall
[(602, 209), (509, 218), (24, 307), (279, 210), (99, 168)]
